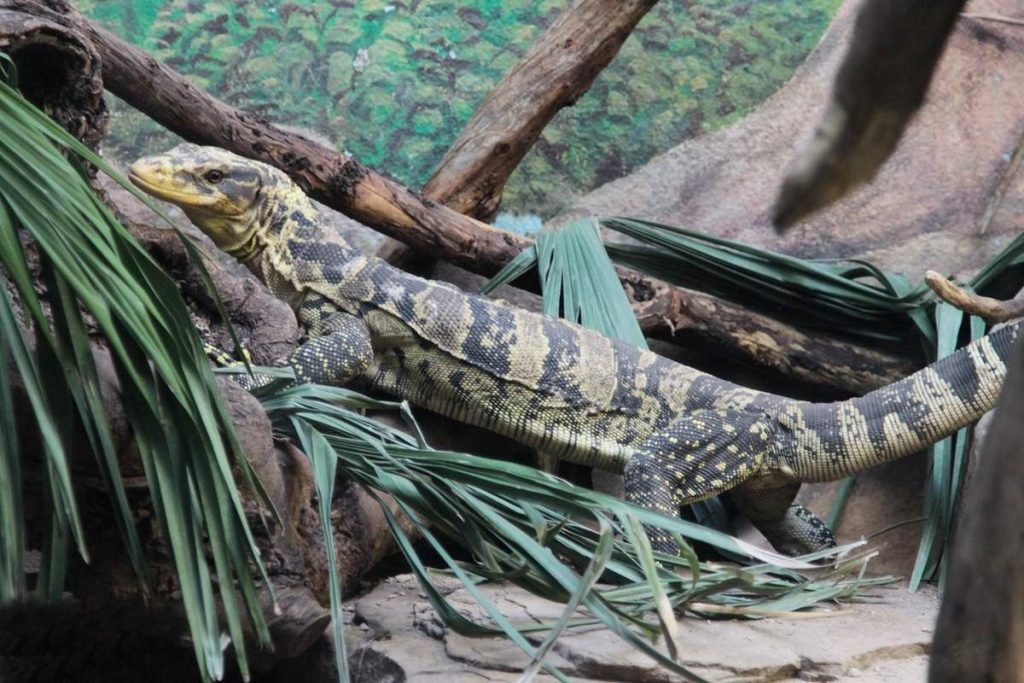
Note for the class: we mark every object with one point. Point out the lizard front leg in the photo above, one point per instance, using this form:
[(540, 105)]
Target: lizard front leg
[(696, 456), (339, 348)]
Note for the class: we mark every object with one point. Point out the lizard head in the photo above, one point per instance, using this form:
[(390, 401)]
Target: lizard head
[(222, 193)]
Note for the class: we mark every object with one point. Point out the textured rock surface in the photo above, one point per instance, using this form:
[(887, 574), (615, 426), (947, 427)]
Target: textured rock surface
[(394, 629), (926, 207)]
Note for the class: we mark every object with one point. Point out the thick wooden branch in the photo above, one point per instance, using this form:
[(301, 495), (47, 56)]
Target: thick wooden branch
[(680, 315), (554, 74), (334, 179), (558, 69), (348, 186)]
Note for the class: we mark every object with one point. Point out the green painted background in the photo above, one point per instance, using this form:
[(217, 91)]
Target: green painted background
[(392, 83)]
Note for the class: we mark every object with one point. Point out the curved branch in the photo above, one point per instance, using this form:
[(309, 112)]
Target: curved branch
[(346, 185), (991, 310)]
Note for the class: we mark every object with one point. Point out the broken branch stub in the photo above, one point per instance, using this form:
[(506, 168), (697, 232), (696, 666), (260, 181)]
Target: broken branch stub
[(989, 309)]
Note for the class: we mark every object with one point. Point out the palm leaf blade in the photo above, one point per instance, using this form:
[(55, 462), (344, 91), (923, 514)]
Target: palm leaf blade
[(520, 524), (171, 399)]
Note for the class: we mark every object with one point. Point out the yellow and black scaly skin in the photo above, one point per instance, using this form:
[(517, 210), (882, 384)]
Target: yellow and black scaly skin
[(678, 435)]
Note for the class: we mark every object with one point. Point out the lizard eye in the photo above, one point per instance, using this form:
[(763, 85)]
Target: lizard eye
[(214, 176)]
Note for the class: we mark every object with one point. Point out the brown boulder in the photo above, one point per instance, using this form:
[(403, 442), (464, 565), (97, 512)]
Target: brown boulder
[(928, 206)]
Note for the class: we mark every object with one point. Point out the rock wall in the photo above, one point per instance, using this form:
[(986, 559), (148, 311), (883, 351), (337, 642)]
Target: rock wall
[(928, 207)]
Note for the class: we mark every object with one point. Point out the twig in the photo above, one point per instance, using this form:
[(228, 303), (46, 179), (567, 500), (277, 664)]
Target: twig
[(992, 310), (710, 608)]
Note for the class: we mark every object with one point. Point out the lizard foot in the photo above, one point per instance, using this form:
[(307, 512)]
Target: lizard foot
[(695, 457)]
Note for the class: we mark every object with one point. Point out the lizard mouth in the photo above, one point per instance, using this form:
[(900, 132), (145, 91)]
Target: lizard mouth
[(138, 179), (143, 183), (183, 199)]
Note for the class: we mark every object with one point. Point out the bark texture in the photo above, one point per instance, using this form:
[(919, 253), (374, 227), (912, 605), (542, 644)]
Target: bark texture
[(558, 69), (680, 315), (358, 192), (980, 632), (57, 66)]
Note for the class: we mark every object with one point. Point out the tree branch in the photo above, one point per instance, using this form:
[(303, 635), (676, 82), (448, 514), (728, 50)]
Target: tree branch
[(994, 17), (347, 186), (880, 85), (980, 629), (558, 69), (991, 310)]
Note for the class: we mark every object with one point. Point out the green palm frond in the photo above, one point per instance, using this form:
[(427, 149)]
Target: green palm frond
[(522, 525), (184, 436), (578, 282), (853, 298), (324, 462)]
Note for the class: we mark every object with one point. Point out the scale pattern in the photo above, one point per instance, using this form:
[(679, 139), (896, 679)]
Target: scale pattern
[(679, 435)]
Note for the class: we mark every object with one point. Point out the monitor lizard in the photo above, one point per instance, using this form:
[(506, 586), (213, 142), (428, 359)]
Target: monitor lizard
[(677, 434)]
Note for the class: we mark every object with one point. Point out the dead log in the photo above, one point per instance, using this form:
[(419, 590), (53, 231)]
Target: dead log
[(680, 315), (359, 192), (107, 587), (58, 68)]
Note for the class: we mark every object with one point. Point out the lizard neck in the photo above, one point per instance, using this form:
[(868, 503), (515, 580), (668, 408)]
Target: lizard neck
[(292, 250)]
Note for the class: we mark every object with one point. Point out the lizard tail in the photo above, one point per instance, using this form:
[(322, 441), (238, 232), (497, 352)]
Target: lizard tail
[(835, 440)]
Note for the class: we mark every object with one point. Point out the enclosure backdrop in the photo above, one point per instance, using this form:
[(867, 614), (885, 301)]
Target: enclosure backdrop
[(392, 83)]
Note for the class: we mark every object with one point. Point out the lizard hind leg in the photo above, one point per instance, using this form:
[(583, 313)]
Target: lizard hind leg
[(699, 455), (791, 529)]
